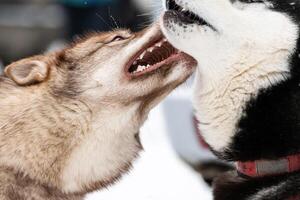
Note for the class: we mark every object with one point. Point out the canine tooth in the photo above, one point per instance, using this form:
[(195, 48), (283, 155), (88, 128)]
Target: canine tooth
[(135, 62), (142, 55)]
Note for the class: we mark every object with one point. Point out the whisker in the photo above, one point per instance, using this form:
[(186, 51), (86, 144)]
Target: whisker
[(112, 18), (102, 19)]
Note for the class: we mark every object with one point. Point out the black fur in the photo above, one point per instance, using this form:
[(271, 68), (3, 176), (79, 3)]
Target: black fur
[(270, 129), (231, 186)]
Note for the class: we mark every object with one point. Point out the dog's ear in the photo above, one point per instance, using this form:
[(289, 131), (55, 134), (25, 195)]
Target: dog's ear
[(28, 71)]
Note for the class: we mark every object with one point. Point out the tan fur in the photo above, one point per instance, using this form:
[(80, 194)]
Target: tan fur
[(74, 130)]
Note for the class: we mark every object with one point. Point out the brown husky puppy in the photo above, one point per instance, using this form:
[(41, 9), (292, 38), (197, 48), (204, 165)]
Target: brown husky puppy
[(69, 121)]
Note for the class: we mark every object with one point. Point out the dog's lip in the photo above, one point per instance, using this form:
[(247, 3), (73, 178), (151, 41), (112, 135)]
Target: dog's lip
[(184, 15), (159, 36), (165, 62)]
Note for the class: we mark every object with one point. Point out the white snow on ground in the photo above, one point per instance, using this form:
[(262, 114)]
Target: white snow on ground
[(158, 174)]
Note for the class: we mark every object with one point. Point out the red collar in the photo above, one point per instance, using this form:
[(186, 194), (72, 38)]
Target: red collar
[(263, 168)]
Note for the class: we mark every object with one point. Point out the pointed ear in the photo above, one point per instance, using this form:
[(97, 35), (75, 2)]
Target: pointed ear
[(28, 71)]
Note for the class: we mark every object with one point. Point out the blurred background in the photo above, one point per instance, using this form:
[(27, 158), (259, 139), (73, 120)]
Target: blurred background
[(32, 26), (176, 162)]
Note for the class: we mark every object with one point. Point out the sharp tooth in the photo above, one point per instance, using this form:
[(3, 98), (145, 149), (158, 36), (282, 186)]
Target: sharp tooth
[(135, 62), (148, 66), (142, 55), (140, 68)]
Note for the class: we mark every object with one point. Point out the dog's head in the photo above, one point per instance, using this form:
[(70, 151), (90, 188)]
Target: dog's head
[(220, 30), (248, 51), (117, 68), (77, 112)]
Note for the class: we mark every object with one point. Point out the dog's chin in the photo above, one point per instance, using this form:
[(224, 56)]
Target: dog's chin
[(174, 77)]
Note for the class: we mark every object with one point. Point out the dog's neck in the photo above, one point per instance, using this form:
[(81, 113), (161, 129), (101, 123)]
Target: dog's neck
[(242, 125), (220, 103), (20, 186), (105, 154), (270, 127), (53, 135)]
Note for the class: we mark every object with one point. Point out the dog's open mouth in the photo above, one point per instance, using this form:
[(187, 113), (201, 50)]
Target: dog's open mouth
[(184, 15), (153, 56)]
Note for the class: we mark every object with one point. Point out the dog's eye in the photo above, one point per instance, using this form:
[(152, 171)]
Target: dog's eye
[(117, 38)]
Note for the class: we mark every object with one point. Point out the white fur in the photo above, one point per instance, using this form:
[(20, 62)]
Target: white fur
[(248, 50), (108, 148)]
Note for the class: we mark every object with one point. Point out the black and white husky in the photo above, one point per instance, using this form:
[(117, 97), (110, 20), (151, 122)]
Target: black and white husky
[(247, 91)]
